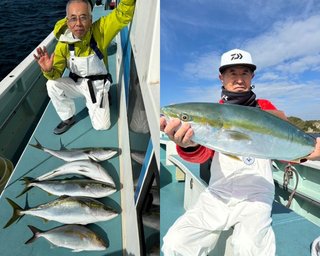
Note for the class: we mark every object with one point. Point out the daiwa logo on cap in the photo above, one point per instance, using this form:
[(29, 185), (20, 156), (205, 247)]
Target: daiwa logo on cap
[(236, 57)]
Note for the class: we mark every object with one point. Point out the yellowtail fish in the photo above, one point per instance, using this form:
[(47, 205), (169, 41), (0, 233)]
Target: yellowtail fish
[(85, 168), (75, 237), (71, 187), (66, 210), (69, 155), (241, 130)]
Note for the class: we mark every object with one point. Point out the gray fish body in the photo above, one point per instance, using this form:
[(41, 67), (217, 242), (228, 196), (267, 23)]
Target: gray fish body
[(94, 154), (89, 169), (75, 237), (315, 247), (73, 210), (69, 155), (138, 157), (75, 187), (244, 131)]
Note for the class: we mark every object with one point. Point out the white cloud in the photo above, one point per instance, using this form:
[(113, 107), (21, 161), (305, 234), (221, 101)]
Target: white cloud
[(290, 47), (267, 76), (295, 99), (287, 41), (299, 65), (202, 93), (203, 66)]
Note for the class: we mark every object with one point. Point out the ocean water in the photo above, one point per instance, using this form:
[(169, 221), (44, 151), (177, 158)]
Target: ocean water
[(23, 25)]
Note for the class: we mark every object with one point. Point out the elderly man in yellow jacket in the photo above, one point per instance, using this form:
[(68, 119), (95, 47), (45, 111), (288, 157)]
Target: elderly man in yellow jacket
[(82, 49)]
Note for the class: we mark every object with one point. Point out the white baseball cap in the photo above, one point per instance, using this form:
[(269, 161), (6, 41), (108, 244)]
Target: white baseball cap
[(236, 57)]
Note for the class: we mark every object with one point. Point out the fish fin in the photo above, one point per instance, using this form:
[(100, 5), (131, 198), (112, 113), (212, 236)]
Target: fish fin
[(63, 197), (24, 191), (16, 213), (37, 145), (82, 170), (62, 147), (44, 219), (94, 159), (35, 232), (27, 203), (233, 157), (234, 135), (45, 176), (27, 181)]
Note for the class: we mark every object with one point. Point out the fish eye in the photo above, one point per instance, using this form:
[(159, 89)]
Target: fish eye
[(184, 117)]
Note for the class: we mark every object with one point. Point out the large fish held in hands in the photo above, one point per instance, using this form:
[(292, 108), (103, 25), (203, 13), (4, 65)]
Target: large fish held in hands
[(240, 130), (66, 210), (69, 155), (75, 237)]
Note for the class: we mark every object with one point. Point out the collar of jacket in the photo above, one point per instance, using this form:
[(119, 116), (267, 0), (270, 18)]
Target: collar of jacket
[(67, 37), (64, 34)]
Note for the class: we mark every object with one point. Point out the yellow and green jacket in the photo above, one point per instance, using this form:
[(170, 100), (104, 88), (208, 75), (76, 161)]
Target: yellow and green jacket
[(103, 31)]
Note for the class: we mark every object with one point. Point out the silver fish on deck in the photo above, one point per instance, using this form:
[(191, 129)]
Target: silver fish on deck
[(69, 155), (85, 168), (66, 210), (71, 187), (138, 157), (240, 130), (75, 237)]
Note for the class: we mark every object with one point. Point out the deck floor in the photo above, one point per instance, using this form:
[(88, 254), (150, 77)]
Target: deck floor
[(35, 162)]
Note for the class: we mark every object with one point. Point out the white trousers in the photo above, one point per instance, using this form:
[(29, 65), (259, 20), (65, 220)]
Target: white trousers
[(197, 231), (63, 91)]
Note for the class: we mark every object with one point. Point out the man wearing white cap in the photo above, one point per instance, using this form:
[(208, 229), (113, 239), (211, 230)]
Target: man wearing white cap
[(240, 192)]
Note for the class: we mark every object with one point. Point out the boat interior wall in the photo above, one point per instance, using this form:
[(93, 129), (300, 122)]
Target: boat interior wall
[(303, 184), (23, 96), (145, 41)]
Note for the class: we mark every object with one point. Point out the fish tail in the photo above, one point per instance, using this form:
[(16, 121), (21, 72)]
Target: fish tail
[(35, 234), (37, 145), (16, 212), (27, 181)]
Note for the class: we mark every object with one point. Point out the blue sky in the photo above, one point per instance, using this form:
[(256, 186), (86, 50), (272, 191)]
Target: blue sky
[(282, 36)]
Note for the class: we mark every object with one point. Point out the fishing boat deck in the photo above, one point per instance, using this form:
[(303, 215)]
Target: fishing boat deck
[(294, 234), (35, 162)]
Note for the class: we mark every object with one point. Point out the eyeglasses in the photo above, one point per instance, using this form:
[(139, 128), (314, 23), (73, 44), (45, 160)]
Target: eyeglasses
[(83, 19)]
